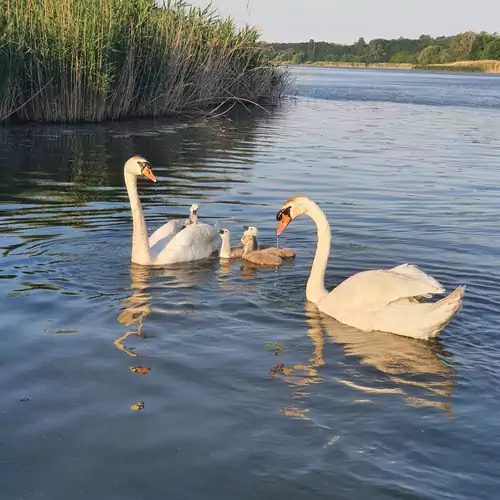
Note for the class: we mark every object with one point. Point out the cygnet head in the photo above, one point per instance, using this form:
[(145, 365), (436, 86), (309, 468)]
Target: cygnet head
[(193, 214), (250, 230), (224, 234), (248, 243), (140, 167)]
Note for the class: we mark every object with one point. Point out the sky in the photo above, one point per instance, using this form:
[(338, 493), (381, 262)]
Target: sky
[(344, 21)]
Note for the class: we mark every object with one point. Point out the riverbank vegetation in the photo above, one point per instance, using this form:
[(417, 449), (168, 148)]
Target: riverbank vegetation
[(459, 66), (94, 60), (423, 51)]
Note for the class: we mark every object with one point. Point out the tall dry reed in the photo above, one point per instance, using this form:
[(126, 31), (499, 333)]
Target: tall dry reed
[(93, 60)]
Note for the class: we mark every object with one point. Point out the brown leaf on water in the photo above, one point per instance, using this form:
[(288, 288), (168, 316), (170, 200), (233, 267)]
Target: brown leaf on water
[(279, 368), (295, 413), (140, 369), (137, 406)]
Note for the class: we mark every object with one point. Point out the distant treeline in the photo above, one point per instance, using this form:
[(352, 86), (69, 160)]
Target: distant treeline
[(423, 50)]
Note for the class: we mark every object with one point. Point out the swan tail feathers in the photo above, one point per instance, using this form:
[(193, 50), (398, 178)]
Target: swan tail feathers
[(444, 310)]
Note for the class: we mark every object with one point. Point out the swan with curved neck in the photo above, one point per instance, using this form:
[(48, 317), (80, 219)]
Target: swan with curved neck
[(387, 300), (194, 242)]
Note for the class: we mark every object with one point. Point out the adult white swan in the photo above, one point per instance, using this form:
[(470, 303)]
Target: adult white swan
[(387, 300), (194, 242)]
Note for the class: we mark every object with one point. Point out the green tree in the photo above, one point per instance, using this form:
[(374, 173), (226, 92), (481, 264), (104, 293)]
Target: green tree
[(359, 47), (447, 56), (403, 57), (478, 45), (429, 55), (311, 50), (461, 45), (299, 58), (374, 52), (492, 49)]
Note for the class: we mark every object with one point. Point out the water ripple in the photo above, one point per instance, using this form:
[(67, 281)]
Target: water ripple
[(377, 415)]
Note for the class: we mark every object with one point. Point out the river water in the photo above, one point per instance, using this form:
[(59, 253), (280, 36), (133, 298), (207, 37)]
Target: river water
[(406, 168)]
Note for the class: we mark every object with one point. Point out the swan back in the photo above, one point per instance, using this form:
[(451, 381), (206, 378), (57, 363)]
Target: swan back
[(194, 242)]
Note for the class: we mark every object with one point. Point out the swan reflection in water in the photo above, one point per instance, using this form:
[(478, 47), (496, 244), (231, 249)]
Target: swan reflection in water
[(414, 368), (247, 269), (166, 281), (137, 306)]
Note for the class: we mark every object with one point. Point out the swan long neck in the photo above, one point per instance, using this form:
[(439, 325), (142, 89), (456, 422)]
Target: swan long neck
[(140, 243), (225, 248), (316, 290)]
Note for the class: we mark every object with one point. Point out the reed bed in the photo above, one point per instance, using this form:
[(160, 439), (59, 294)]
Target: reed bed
[(96, 60)]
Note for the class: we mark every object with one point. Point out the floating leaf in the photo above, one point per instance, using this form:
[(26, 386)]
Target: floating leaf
[(140, 369), (137, 406), (295, 413), (333, 440), (279, 368), (277, 347)]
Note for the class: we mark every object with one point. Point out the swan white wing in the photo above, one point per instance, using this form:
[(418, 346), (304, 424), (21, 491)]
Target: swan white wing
[(168, 230), (194, 242), (372, 290)]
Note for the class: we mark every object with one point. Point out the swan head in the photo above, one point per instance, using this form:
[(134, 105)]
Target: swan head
[(291, 209), (140, 167), (251, 230), (194, 208)]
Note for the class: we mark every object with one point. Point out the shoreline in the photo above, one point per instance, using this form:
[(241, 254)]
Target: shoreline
[(490, 67)]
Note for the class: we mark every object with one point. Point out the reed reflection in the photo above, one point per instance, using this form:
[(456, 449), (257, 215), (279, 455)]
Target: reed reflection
[(413, 368)]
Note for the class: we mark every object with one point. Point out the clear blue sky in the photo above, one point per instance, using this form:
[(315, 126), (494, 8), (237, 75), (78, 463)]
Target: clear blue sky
[(346, 20)]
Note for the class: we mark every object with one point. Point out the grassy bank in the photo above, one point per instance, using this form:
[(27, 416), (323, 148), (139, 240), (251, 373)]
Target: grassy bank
[(93, 60), (459, 66), (363, 65)]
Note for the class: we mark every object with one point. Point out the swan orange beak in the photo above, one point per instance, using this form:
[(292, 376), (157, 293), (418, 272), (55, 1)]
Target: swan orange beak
[(147, 172), (284, 219)]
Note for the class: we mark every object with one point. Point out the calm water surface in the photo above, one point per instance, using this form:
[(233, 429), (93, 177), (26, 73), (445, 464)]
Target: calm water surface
[(406, 167)]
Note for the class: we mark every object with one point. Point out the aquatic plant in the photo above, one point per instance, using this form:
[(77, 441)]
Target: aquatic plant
[(94, 60)]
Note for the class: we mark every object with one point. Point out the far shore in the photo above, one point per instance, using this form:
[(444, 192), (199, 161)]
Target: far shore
[(459, 66)]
